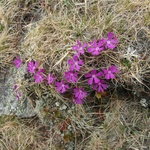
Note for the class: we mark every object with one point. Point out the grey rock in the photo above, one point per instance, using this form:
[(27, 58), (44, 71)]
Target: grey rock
[(38, 109), (9, 104), (144, 102)]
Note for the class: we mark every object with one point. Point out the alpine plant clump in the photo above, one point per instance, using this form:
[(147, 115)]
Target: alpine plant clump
[(96, 79)]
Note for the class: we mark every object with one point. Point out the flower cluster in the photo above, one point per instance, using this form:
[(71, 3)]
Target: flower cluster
[(96, 78)]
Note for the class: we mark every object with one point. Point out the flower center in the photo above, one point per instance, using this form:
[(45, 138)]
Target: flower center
[(93, 76), (97, 48), (80, 49), (76, 63), (108, 42), (80, 92), (71, 74)]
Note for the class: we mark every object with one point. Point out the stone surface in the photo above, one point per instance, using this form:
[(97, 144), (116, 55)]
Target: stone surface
[(9, 104)]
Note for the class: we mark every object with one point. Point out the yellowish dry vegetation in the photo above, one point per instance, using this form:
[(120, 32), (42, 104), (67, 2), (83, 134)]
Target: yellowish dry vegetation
[(45, 30), (124, 127), (23, 134)]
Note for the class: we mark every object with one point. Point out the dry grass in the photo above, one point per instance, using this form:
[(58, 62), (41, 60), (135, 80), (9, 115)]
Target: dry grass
[(48, 37), (14, 16), (125, 127), (24, 134)]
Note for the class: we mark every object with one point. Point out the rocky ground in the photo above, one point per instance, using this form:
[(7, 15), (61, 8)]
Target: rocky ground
[(42, 119)]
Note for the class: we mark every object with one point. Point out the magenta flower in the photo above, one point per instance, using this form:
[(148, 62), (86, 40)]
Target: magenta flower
[(109, 73), (79, 95), (18, 94), (78, 101), (100, 86), (61, 87), (42, 70), (93, 77), (39, 77), (75, 64), (50, 78), (111, 41), (17, 62), (15, 88), (32, 65), (96, 47), (79, 47), (71, 76)]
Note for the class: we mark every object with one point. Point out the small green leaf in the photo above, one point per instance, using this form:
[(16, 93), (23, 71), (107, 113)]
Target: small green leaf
[(1, 27), (125, 62)]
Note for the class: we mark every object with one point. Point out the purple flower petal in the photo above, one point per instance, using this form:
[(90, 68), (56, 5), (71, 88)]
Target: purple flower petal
[(111, 42), (32, 65), (88, 75), (71, 77), (75, 64), (79, 47), (78, 101), (93, 77), (18, 96), (96, 47), (50, 78), (93, 71), (90, 81), (110, 35), (75, 58), (18, 93), (17, 62), (39, 77), (61, 87), (96, 80), (109, 73), (101, 43), (100, 74), (100, 86), (114, 69), (15, 88), (79, 93)]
